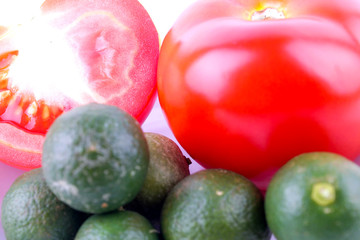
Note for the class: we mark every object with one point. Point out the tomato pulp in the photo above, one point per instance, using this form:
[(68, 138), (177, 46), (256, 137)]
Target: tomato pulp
[(247, 85), (71, 53)]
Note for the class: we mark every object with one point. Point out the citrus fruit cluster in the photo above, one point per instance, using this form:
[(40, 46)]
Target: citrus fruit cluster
[(104, 178), (96, 161)]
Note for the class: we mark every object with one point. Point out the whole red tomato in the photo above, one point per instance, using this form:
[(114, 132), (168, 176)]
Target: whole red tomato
[(70, 53), (247, 85)]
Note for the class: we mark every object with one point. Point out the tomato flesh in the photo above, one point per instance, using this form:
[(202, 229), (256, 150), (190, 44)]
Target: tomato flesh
[(248, 95), (20, 108), (72, 53)]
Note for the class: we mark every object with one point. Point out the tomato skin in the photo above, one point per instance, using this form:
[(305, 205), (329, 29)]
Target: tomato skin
[(117, 46), (249, 95)]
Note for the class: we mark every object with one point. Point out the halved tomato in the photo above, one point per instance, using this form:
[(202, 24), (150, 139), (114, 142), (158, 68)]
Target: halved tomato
[(72, 53)]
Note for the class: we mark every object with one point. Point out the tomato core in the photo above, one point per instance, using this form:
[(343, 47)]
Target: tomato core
[(20, 108)]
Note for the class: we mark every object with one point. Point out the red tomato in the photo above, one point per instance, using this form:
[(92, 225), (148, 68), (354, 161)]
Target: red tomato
[(72, 53), (247, 85)]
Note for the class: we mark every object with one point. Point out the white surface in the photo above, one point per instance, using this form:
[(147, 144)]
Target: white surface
[(165, 12)]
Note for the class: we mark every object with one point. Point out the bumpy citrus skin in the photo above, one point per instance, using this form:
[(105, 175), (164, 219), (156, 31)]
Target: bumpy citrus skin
[(95, 158), (214, 204), (167, 167), (124, 225), (315, 196), (31, 211)]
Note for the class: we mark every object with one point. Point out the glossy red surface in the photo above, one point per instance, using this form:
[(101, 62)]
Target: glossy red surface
[(248, 95)]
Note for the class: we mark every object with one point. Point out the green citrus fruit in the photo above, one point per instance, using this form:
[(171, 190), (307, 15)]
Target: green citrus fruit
[(315, 196), (166, 168), (214, 204), (95, 158), (124, 225), (31, 211)]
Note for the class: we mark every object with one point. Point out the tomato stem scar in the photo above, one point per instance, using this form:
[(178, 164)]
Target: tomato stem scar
[(267, 14)]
